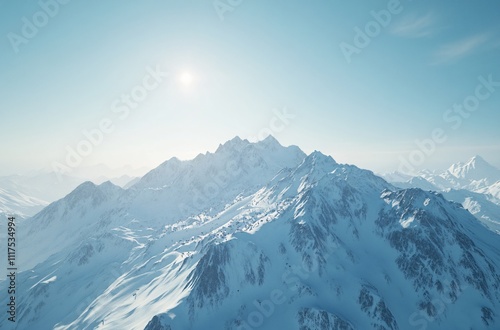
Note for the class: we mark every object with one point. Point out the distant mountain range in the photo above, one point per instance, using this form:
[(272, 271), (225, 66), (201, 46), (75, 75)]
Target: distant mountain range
[(26, 195), (259, 236), (475, 184)]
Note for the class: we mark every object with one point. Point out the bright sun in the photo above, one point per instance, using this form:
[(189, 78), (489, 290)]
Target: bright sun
[(186, 78)]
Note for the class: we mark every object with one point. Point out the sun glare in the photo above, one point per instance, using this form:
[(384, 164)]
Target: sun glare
[(186, 78)]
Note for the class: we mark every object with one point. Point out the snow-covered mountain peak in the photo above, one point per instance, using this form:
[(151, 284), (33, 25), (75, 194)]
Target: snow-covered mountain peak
[(320, 158), (238, 159), (235, 144), (414, 243), (478, 161), (174, 161), (301, 242), (269, 142), (315, 166), (89, 188), (84, 188), (475, 169), (318, 161), (476, 174), (110, 187)]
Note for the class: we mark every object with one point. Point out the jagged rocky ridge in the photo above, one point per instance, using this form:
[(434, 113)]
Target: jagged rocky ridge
[(312, 245)]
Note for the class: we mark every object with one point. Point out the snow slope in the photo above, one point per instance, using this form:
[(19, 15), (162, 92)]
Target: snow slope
[(474, 184), (278, 240), (493, 190), (333, 248), (18, 204)]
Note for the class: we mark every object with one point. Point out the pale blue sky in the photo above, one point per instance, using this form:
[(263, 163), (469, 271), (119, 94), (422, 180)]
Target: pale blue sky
[(264, 56)]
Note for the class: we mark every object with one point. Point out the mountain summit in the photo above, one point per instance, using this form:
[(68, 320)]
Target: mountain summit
[(277, 240), (475, 169)]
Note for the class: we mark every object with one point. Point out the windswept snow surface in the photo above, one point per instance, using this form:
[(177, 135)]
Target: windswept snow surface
[(277, 240)]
